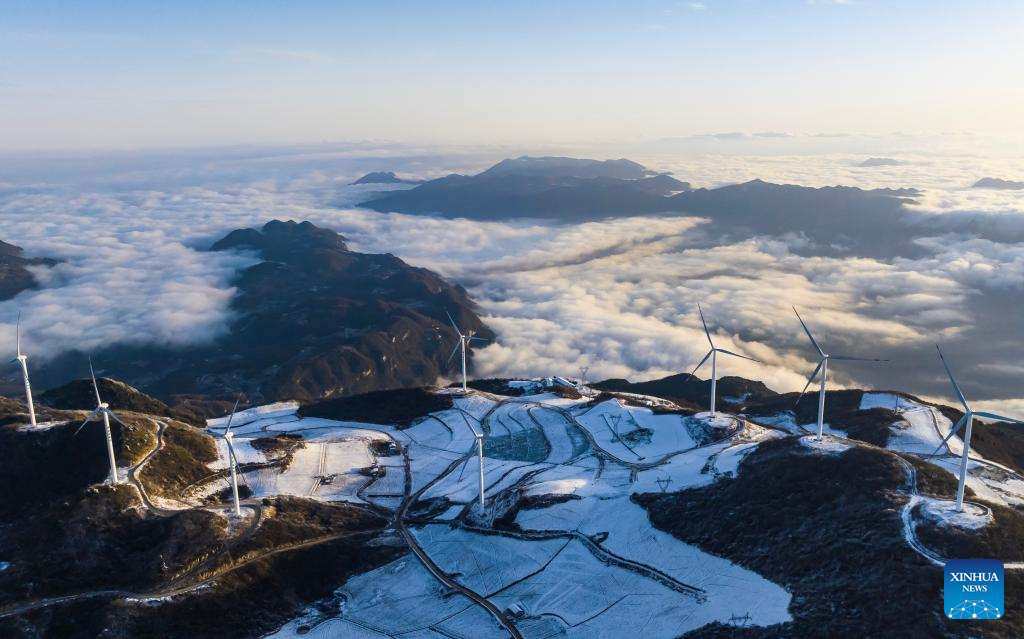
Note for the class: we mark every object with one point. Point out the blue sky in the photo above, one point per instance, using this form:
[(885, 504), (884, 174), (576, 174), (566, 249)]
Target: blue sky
[(128, 75)]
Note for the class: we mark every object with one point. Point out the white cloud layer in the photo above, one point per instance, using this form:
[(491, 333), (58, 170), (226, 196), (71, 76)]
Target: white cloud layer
[(618, 296)]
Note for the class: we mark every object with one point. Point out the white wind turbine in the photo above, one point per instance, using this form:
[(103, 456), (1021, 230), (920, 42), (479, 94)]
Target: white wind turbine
[(23, 360), (480, 456), (232, 460), (823, 369), (103, 409), (464, 340), (967, 419), (713, 354)]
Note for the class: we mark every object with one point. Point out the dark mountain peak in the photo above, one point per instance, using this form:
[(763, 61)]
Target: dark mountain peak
[(997, 183), (621, 169), (384, 177), (14, 274), (79, 395), (300, 244)]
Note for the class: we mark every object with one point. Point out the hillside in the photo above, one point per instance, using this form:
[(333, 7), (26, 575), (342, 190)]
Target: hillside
[(15, 275), (599, 510), (312, 319)]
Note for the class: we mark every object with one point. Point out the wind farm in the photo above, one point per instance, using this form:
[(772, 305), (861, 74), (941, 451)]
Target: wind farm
[(514, 494)]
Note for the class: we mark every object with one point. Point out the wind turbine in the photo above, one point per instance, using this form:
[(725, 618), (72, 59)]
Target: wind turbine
[(23, 360), (968, 419), (232, 460), (480, 456), (823, 369), (464, 340), (102, 408), (713, 354)]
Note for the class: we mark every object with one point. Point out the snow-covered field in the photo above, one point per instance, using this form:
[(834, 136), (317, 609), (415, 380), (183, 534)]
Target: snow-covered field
[(591, 566), (919, 429), (583, 559)]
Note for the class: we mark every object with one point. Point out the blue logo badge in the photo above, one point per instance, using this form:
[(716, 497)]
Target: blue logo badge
[(974, 589)]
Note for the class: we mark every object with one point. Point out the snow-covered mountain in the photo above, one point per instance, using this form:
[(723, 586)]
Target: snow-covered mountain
[(603, 515)]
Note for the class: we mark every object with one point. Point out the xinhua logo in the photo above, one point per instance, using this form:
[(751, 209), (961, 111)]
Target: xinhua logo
[(974, 589)]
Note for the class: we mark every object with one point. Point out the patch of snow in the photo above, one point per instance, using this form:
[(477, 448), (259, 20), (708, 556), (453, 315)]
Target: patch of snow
[(828, 444), (943, 513), (400, 598), (326, 469), (884, 400), (244, 453), (267, 411), (556, 487), (39, 426)]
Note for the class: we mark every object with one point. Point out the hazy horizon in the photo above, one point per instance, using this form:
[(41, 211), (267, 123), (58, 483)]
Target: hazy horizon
[(112, 76)]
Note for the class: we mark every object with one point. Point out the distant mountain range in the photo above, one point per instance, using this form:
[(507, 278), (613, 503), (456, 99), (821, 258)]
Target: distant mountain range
[(313, 319), (14, 274), (996, 183), (835, 219), (566, 189)]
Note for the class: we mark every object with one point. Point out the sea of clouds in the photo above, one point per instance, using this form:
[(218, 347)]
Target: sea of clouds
[(619, 296)]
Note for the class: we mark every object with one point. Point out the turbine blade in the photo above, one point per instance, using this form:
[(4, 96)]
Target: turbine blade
[(454, 325), (953, 431), (94, 385), (706, 331), (956, 387), (722, 350), (847, 358), (231, 452), (1000, 418), (17, 333), (87, 420), (454, 350), (117, 419), (478, 339), (810, 380), (808, 331), (698, 367), (232, 415)]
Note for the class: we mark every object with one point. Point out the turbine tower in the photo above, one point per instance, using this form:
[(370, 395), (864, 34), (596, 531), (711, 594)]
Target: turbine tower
[(23, 360), (967, 419), (232, 460), (480, 456), (464, 340), (713, 354), (823, 369), (103, 409)]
